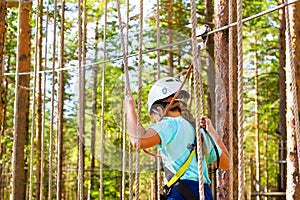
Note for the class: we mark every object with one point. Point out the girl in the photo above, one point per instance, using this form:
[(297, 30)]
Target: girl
[(173, 135)]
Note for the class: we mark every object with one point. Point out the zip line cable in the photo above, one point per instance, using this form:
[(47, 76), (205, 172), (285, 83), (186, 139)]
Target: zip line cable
[(169, 45)]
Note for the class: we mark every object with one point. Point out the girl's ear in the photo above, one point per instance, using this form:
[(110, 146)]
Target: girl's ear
[(160, 110)]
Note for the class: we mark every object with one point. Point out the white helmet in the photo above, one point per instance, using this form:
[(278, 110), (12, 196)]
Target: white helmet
[(164, 88)]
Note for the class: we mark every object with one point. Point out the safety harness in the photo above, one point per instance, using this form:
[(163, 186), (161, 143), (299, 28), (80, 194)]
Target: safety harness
[(174, 179)]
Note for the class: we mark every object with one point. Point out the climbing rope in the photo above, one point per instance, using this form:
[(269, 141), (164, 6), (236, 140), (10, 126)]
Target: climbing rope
[(124, 114), (139, 103), (33, 104), (291, 85), (44, 103), (158, 159), (231, 66), (240, 101), (125, 58), (197, 79), (81, 108), (52, 104), (103, 102)]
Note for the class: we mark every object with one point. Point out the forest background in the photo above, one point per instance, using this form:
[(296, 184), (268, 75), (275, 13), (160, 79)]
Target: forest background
[(46, 112)]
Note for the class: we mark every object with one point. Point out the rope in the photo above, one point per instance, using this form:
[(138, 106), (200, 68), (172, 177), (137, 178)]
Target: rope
[(125, 57), (240, 101), (140, 65), (33, 103), (124, 114), (103, 102), (128, 90), (158, 159), (52, 103), (231, 66), (197, 76), (291, 85), (44, 104), (81, 108)]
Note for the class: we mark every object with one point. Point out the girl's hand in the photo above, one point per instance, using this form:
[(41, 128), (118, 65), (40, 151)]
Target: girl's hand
[(206, 124), (129, 103)]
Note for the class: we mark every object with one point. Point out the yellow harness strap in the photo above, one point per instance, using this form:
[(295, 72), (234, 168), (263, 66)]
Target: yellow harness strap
[(182, 169)]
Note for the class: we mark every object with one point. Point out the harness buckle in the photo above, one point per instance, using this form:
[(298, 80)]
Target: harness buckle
[(166, 190)]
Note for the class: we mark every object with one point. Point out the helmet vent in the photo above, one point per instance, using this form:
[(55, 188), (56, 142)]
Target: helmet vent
[(170, 80), (164, 90)]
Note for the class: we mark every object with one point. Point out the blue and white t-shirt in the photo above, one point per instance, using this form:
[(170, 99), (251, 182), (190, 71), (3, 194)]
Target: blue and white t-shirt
[(176, 135)]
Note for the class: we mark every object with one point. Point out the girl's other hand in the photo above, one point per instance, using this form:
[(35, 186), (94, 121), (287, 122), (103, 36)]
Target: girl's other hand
[(129, 103)]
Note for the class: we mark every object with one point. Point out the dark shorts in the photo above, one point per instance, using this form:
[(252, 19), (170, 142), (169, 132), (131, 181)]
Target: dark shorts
[(194, 186)]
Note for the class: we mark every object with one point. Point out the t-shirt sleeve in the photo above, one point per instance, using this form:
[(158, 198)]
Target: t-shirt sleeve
[(211, 152), (166, 130)]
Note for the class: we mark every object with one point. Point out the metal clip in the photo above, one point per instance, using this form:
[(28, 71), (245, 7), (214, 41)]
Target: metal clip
[(166, 190), (201, 34)]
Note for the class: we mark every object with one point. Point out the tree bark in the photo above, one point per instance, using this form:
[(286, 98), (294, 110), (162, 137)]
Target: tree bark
[(21, 109), (282, 101), (222, 94), (293, 187), (256, 116), (60, 110), (170, 37), (39, 167), (2, 53), (211, 71)]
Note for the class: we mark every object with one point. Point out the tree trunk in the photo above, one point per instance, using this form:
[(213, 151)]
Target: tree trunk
[(266, 157), (282, 101), (170, 37), (211, 71), (2, 53), (222, 95), (256, 115), (21, 109), (39, 167), (60, 110), (292, 191)]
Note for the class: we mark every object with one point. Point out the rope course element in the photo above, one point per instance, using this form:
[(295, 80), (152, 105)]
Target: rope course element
[(291, 86), (124, 114), (231, 64), (103, 103), (158, 159), (139, 103), (128, 90), (44, 103), (34, 103), (197, 78), (81, 109), (241, 187), (125, 56), (169, 45)]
